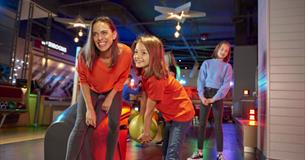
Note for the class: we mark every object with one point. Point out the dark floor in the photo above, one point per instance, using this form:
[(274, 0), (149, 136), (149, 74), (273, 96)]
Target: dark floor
[(33, 149)]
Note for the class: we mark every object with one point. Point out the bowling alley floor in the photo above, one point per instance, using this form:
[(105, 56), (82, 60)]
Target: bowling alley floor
[(28, 143)]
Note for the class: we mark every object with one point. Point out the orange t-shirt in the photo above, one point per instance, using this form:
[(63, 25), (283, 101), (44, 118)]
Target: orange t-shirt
[(172, 99), (102, 78)]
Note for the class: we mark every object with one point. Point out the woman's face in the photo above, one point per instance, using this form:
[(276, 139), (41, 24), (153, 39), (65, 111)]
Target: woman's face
[(103, 36), (223, 51), (141, 56)]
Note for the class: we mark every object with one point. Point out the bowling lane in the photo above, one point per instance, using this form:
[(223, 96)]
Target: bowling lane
[(33, 149)]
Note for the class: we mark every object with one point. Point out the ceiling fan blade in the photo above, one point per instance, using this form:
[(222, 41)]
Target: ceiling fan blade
[(70, 27), (161, 17), (87, 23), (64, 20), (80, 19), (164, 10), (78, 22), (194, 14), (186, 7)]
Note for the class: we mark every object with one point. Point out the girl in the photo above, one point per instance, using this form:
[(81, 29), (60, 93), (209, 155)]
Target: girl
[(164, 92), (103, 67), (213, 85)]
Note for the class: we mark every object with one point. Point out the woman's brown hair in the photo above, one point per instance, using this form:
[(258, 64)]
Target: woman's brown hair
[(227, 58), (90, 52), (157, 65)]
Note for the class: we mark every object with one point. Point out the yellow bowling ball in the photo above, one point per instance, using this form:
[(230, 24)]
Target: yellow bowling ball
[(132, 115), (136, 127), (160, 133)]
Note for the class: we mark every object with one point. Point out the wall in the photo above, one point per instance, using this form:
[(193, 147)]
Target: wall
[(263, 43), (282, 129), (245, 64)]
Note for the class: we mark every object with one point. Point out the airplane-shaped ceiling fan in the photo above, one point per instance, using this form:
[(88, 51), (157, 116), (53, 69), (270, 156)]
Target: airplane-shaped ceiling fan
[(180, 13), (78, 22)]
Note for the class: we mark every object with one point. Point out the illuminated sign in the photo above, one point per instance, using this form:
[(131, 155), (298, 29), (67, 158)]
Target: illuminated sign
[(55, 46)]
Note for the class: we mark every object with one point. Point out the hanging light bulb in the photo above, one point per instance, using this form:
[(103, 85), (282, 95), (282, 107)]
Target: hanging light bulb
[(177, 34), (80, 33), (76, 39), (178, 27)]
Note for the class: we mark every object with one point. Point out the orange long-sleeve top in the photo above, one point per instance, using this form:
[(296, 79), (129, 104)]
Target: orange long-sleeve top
[(102, 78)]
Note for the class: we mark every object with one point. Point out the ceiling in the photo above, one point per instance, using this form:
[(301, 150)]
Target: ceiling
[(134, 17)]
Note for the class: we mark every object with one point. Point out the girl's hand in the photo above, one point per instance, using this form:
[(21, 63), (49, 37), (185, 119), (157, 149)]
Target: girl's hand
[(145, 138), (107, 103), (91, 118), (210, 100), (204, 101)]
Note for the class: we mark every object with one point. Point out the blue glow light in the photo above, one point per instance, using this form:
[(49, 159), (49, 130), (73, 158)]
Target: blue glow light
[(59, 118)]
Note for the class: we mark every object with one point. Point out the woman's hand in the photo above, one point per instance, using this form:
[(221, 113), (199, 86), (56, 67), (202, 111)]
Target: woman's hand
[(107, 103), (91, 118), (145, 138)]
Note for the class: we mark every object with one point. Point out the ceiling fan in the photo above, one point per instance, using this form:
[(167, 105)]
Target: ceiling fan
[(180, 13), (78, 22)]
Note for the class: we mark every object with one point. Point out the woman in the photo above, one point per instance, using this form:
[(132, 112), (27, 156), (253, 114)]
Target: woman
[(213, 85), (103, 67), (164, 92)]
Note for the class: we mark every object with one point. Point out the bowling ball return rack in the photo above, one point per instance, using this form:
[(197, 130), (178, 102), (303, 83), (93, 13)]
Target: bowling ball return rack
[(14, 95)]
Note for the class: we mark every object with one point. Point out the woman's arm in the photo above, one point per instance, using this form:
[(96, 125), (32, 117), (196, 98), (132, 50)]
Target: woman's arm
[(108, 100), (118, 86), (90, 113)]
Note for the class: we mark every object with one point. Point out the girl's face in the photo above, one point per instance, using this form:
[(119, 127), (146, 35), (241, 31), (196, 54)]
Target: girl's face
[(223, 51), (141, 56), (103, 36)]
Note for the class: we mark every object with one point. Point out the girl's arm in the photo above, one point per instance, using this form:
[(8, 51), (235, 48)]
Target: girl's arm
[(150, 106), (201, 83), (225, 87), (90, 113), (143, 103)]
